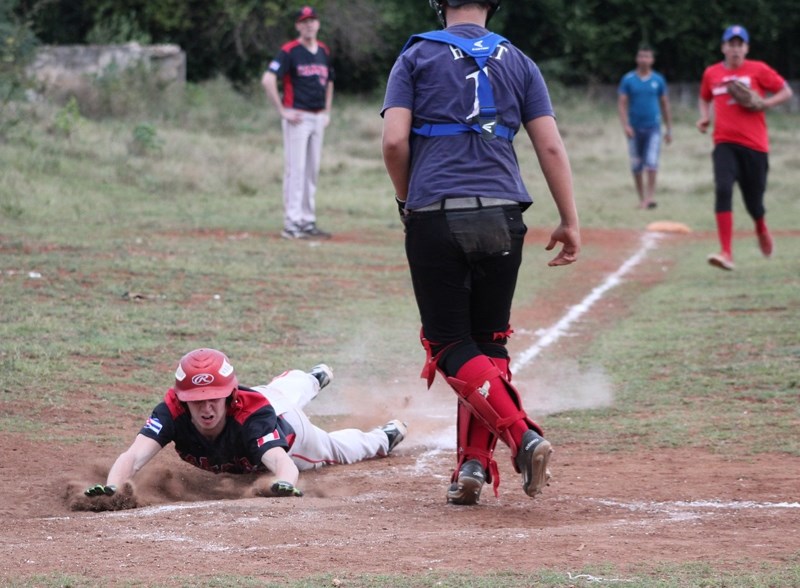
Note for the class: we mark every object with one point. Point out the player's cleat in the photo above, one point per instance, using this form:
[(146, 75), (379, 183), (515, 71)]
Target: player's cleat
[(293, 234), (395, 431), (765, 243), (721, 261), (311, 231), (532, 459), (323, 374), (467, 489)]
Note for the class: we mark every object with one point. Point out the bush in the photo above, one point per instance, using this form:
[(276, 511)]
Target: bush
[(17, 48), (145, 140)]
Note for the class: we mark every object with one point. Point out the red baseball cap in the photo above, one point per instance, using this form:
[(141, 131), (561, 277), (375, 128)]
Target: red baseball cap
[(305, 13), (204, 374)]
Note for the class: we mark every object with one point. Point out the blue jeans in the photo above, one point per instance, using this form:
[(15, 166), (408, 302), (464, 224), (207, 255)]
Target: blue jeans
[(644, 149)]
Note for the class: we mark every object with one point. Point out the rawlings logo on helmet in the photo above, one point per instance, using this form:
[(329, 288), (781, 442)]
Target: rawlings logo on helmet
[(204, 374), (202, 380)]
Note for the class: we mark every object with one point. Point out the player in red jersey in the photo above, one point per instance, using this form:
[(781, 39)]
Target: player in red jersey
[(741, 142)]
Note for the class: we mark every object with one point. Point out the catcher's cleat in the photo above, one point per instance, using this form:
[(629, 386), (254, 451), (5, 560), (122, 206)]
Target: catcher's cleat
[(721, 261), (765, 243), (395, 431), (532, 459), (467, 489), (323, 373)]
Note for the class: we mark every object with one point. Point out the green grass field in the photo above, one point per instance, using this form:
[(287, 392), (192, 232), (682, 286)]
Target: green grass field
[(126, 242)]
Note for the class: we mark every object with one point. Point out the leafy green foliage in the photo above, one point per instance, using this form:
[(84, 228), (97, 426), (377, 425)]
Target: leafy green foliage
[(118, 28), (17, 47), (145, 140), (580, 41), (574, 41), (68, 118)]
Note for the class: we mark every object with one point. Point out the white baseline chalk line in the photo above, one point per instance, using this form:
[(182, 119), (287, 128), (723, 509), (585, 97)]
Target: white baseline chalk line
[(555, 332), (708, 504)]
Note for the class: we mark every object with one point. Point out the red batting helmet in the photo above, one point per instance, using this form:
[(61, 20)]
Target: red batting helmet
[(438, 6), (204, 374)]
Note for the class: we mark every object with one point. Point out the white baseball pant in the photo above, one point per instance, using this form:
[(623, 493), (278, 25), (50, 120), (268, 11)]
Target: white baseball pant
[(302, 153), (314, 447)]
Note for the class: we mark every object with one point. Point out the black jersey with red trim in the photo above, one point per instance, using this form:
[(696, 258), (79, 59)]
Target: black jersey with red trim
[(305, 75), (252, 427)]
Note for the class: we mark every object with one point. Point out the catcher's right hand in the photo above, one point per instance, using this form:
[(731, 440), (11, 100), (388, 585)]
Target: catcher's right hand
[(101, 490), (745, 96), (281, 488)]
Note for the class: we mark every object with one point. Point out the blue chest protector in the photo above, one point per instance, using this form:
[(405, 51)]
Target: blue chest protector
[(485, 124)]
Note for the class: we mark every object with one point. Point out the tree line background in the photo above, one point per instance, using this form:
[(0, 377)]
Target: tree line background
[(573, 41)]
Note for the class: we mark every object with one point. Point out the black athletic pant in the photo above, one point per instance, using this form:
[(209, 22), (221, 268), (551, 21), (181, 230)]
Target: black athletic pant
[(735, 163), (464, 267)]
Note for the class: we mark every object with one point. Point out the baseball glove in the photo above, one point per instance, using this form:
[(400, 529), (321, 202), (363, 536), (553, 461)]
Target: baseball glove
[(745, 96)]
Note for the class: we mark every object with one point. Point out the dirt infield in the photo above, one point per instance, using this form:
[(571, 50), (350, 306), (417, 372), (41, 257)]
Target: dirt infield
[(389, 515)]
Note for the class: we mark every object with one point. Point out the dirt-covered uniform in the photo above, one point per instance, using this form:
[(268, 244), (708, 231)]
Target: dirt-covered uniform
[(222, 427), (258, 419)]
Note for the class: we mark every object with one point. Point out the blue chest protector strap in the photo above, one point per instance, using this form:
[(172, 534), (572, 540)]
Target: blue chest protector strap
[(485, 124)]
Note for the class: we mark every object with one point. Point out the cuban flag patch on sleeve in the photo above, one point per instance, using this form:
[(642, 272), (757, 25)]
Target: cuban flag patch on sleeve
[(154, 425), (274, 436)]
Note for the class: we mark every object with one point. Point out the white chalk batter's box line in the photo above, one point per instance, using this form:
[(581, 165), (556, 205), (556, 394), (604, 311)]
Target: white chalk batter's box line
[(693, 505)]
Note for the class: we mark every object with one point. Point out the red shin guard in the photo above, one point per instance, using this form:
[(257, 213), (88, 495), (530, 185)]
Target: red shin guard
[(492, 399)]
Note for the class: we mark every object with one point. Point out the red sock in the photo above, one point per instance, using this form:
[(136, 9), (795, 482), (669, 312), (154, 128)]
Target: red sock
[(725, 232), (761, 226), (499, 397)]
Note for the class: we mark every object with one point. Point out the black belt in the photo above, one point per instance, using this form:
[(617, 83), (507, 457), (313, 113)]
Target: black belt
[(466, 203)]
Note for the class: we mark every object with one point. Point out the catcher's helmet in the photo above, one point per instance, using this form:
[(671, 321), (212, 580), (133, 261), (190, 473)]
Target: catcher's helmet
[(204, 374), (438, 6)]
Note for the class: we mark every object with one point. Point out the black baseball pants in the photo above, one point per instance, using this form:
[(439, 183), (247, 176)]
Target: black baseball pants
[(464, 266), (736, 163)]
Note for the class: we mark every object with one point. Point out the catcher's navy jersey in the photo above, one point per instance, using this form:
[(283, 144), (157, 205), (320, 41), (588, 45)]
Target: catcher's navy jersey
[(469, 165), (251, 428), (305, 75)]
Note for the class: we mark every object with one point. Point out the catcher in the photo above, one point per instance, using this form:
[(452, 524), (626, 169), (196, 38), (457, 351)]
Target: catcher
[(219, 426), (737, 88)]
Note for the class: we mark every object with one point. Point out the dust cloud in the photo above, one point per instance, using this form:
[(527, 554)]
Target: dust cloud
[(165, 479), (549, 387), (546, 387)]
